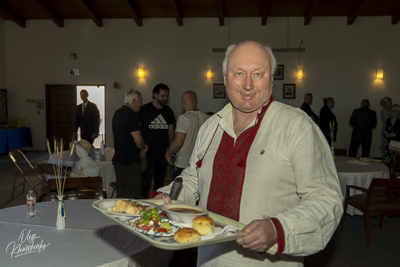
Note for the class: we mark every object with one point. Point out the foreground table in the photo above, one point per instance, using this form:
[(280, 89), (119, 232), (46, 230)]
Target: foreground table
[(107, 171), (89, 239), (358, 174)]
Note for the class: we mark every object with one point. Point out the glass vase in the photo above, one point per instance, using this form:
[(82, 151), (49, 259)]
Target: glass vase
[(60, 213)]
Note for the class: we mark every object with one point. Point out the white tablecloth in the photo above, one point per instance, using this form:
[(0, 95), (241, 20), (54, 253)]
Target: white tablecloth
[(107, 171), (89, 239), (358, 174)]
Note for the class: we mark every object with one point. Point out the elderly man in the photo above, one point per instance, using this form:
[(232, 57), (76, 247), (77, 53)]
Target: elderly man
[(129, 146), (264, 164)]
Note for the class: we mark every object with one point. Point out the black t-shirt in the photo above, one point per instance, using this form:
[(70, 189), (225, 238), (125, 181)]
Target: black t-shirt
[(155, 123), (124, 122)]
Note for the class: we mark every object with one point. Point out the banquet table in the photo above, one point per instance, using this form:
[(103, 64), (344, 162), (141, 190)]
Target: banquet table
[(360, 174), (14, 138), (107, 171), (89, 239)]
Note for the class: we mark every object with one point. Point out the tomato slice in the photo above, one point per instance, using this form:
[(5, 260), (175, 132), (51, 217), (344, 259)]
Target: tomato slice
[(145, 228), (162, 230)]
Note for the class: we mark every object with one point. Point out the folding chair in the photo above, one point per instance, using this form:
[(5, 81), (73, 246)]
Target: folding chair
[(26, 170)]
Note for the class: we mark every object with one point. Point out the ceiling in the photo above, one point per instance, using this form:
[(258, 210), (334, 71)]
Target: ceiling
[(21, 11)]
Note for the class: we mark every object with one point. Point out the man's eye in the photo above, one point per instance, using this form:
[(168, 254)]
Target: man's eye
[(239, 73)]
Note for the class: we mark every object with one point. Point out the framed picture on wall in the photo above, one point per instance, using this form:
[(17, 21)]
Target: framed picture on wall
[(219, 90), (289, 91), (279, 72)]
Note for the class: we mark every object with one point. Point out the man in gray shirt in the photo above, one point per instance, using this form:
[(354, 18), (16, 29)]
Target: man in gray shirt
[(187, 126)]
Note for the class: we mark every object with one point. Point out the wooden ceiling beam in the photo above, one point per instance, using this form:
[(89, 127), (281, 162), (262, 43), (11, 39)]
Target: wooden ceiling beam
[(15, 16), (220, 12), (353, 12), (396, 16), (266, 7), (176, 11), (51, 13), (136, 15), (310, 11), (91, 11)]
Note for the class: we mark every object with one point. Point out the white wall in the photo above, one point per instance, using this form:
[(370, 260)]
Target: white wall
[(340, 61)]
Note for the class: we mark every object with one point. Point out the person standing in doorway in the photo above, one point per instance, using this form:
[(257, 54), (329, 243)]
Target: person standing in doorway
[(87, 119), (363, 120), (158, 126), (187, 126), (129, 146)]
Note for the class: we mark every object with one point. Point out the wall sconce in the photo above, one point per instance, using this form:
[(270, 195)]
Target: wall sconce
[(209, 74), (299, 73), (141, 72), (379, 74)]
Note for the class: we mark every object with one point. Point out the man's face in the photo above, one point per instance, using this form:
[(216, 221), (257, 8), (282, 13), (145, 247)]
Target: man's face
[(308, 99), (248, 80), (162, 97), (84, 96), (136, 104)]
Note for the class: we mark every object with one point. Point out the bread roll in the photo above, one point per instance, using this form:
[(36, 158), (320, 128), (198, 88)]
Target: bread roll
[(186, 235), (204, 225)]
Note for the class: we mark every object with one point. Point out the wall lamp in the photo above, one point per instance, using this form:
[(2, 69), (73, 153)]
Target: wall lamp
[(209, 74), (141, 72), (379, 74), (299, 73)]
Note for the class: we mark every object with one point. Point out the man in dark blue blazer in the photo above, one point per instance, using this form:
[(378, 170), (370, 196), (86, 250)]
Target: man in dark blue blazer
[(87, 118)]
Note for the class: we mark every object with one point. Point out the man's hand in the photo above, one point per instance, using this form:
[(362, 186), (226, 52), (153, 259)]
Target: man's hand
[(164, 196), (170, 157), (261, 236), (144, 151)]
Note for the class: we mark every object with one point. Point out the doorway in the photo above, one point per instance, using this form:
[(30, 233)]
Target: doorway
[(61, 102), (97, 96)]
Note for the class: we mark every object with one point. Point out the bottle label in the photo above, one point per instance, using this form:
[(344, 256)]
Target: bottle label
[(30, 201)]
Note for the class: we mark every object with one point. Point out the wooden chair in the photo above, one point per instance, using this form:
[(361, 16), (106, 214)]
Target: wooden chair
[(394, 167), (341, 152), (114, 187), (77, 188), (381, 199), (30, 174)]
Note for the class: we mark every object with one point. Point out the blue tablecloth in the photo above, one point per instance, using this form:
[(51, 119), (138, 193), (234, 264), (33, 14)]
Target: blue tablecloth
[(14, 138)]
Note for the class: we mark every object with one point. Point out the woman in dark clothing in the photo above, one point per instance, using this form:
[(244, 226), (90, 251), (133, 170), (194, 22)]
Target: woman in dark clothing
[(392, 132), (327, 121)]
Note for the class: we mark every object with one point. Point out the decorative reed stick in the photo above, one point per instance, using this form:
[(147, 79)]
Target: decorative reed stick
[(59, 173)]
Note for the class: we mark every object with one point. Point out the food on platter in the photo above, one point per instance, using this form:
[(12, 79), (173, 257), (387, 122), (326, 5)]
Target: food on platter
[(152, 222), (204, 225), (187, 235), (129, 207)]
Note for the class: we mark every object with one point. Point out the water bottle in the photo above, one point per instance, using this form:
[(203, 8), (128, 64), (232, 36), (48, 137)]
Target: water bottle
[(103, 147), (31, 204)]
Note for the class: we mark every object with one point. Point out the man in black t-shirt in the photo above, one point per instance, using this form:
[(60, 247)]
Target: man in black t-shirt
[(306, 107), (129, 146), (158, 126)]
